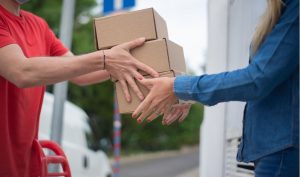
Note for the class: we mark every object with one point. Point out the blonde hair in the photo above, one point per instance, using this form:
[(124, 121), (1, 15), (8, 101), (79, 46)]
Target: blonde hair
[(268, 21)]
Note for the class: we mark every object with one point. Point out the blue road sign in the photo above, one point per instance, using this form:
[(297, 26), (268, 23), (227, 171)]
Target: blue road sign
[(128, 4), (109, 5)]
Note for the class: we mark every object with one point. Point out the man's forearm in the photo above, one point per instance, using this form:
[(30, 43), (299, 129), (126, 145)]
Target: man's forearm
[(91, 78), (49, 70)]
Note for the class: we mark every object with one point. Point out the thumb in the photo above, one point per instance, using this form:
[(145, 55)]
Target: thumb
[(134, 43), (146, 82)]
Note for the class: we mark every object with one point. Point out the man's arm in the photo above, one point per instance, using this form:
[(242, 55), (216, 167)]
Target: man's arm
[(90, 78), (29, 72)]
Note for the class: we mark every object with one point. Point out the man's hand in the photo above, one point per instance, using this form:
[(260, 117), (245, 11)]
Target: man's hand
[(123, 66)]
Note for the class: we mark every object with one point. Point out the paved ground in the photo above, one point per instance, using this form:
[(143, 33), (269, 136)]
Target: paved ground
[(181, 165), (190, 173)]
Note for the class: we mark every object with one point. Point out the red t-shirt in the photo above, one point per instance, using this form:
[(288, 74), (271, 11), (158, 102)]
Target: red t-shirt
[(20, 108)]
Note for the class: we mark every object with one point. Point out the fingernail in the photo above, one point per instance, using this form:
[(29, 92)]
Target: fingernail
[(139, 120), (133, 116), (148, 120), (142, 38)]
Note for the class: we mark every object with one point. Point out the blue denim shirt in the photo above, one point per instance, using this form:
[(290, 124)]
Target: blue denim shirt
[(269, 85)]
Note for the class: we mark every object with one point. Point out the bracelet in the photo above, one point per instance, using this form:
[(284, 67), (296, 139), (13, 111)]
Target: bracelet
[(103, 59)]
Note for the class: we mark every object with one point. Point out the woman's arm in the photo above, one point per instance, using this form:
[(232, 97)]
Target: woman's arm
[(275, 61)]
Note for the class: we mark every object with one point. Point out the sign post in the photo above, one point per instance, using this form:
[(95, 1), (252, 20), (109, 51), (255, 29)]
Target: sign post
[(60, 89), (113, 6), (117, 138)]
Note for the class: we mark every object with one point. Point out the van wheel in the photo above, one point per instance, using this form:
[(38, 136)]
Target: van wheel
[(109, 175)]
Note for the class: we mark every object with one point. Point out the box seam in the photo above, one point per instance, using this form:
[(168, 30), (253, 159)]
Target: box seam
[(153, 16), (95, 35)]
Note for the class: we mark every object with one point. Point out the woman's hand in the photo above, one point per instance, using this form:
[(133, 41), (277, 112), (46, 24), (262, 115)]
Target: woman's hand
[(159, 100), (178, 112), (124, 67)]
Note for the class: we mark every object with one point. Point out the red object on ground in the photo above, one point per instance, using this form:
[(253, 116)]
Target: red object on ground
[(20, 107), (58, 158)]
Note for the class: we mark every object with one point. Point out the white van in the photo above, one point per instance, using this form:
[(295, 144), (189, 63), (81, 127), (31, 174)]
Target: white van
[(83, 161)]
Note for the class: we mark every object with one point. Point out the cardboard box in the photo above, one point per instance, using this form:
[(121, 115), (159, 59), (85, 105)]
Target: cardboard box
[(117, 29), (162, 55), (124, 106)]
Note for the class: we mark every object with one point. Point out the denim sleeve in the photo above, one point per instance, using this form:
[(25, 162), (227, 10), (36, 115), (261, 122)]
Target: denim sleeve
[(273, 63)]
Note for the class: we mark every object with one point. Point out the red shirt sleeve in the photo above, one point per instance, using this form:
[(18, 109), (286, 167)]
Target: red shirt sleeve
[(5, 36), (56, 46)]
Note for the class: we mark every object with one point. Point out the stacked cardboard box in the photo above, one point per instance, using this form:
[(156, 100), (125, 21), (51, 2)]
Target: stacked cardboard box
[(158, 52)]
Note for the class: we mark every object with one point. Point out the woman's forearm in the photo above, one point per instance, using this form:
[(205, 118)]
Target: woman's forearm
[(215, 88), (276, 60)]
